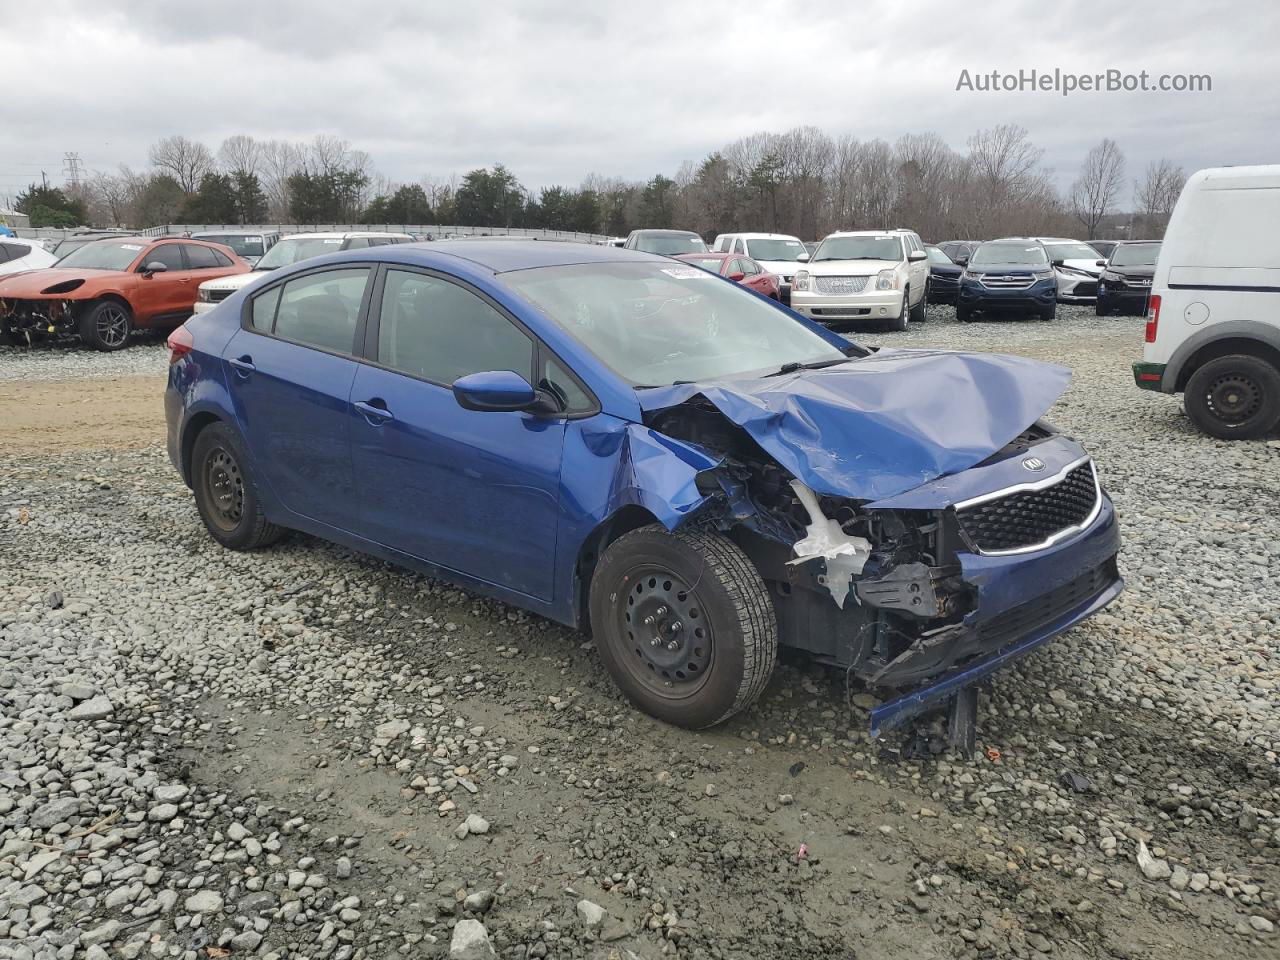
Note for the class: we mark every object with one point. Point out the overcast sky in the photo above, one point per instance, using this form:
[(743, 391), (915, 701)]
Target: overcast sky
[(558, 89)]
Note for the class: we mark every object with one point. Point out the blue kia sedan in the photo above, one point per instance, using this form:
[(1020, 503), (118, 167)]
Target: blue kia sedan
[(631, 445)]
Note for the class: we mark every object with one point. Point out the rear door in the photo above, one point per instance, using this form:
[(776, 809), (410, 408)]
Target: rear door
[(476, 492), (289, 370)]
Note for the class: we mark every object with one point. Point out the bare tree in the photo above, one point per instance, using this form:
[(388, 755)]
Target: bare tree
[(110, 199), (280, 160), (184, 160), (240, 154), (1003, 172), (1156, 195), (1094, 193)]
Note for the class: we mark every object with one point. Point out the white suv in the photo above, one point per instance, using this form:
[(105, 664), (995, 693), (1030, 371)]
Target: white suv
[(779, 253), (864, 275), (288, 250), (1213, 330)]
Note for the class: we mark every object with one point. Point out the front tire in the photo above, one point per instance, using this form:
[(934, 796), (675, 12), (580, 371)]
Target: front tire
[(227, 493), (684, 625), (900, 321), (964, 314), (106, 326), (920, 310), (1049, 313), (1235, 397)]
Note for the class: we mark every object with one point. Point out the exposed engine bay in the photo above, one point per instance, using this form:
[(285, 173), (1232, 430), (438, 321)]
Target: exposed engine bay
[(876, 592)]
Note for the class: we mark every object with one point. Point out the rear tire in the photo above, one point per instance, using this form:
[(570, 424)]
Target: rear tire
[(1234, 398), (1099, 310), (106, 325), (964, 314), (227, 493), (684, 625)]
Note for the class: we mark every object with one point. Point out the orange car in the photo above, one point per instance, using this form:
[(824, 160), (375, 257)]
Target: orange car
[(105, 289)]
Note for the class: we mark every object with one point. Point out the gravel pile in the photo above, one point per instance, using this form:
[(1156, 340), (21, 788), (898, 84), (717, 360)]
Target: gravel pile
[(304, 753), (71, 360)]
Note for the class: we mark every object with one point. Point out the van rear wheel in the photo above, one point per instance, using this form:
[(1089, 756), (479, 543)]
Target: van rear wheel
[(1235, 397)]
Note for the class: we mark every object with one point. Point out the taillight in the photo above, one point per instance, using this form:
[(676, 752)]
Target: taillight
[(180, 343), (1153, 317)]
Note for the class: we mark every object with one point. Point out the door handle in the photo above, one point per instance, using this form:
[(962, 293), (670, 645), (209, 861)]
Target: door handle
[(375, 411), (243, 365)]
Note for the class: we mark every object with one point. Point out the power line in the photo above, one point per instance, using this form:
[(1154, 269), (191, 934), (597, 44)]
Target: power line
[(72, 170)]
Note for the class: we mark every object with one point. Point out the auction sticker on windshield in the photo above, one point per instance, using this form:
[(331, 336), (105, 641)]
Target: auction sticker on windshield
[(686, 273)]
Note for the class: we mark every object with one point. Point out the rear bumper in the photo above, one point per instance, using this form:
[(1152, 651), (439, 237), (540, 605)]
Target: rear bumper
[(1149, 376)]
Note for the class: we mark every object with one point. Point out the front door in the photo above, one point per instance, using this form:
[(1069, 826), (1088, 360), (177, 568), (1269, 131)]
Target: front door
[(290, 376), (476, 492), (161, 294)]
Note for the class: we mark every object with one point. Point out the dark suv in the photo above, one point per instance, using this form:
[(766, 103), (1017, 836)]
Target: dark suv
[(1008, 276), (1126, 278)]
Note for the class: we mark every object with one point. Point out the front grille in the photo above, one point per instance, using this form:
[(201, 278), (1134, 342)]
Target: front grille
[(217, 296), (1016, 281), (1086, 288), (1026, 618), (840, 311), (1025, 519), (837, 286)]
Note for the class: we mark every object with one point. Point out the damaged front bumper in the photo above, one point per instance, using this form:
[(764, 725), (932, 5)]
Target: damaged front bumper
[(28, 319)]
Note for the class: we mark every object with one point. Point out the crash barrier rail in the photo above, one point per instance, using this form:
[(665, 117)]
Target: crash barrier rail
[(436, 231)]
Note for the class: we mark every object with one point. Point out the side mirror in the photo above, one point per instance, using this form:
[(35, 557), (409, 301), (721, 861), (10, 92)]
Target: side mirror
[(737, 276), (155, 266), (960, 260), (803, 258), (1100, 263), (494, 391), (1059, 263), (915, 256)]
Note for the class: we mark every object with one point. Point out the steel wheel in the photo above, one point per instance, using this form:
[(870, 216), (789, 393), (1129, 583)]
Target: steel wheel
[(224, 486), (669, 636), (1234, 397)]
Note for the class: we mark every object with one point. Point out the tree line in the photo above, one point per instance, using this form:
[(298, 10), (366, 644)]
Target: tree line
[(802, 182)]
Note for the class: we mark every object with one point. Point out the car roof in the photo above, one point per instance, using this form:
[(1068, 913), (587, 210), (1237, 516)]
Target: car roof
[(682, 233), (502, 256), (864, 233), (761, 236), (233, 233), (340, 235)]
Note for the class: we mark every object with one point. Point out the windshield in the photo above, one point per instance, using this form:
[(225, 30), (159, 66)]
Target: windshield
[(1135, 255), (859, 248), (789, 250), (656, 324), (300, 248), (1071, 251), (938, 257), (669, 243), (103, 255), (245, 245), (1023, 254)]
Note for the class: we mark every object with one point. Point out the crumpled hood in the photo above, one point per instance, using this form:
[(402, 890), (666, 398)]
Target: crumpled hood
[(880, 425)]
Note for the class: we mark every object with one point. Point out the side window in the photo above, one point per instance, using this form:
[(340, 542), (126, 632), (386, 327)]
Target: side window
[(738, 246), (356, 243), (264, 310), (751, 268), (439, 331), (735, 266), (170, 254), (380, 241), (556, 379), (7, 253), (321, 309), (200, 258), (222, 258)]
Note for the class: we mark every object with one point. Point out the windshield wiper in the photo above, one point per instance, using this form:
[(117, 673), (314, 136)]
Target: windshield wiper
[(795, 365)]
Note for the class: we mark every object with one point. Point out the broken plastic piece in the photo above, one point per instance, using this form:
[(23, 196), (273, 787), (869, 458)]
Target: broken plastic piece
[(845, 555), (803, 852)]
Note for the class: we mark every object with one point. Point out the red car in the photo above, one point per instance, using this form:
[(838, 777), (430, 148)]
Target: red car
[(737, 267), (105, 289)]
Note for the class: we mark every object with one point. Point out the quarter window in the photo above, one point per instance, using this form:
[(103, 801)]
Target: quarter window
[(264, 310), (436, 330), (321, 309)]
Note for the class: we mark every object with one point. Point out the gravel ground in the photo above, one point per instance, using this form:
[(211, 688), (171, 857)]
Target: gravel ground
[(71, 360), (304, 753)]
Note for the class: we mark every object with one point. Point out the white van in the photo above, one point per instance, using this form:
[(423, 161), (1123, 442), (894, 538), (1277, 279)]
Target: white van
[(1213, 320), (779, 253)]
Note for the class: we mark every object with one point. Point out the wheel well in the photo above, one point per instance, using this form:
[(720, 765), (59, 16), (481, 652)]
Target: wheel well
[(1225, 348), (196, 424), (90, 304), (623, 521)]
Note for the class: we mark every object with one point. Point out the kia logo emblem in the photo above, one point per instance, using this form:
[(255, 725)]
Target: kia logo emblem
[(1034, 464)]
